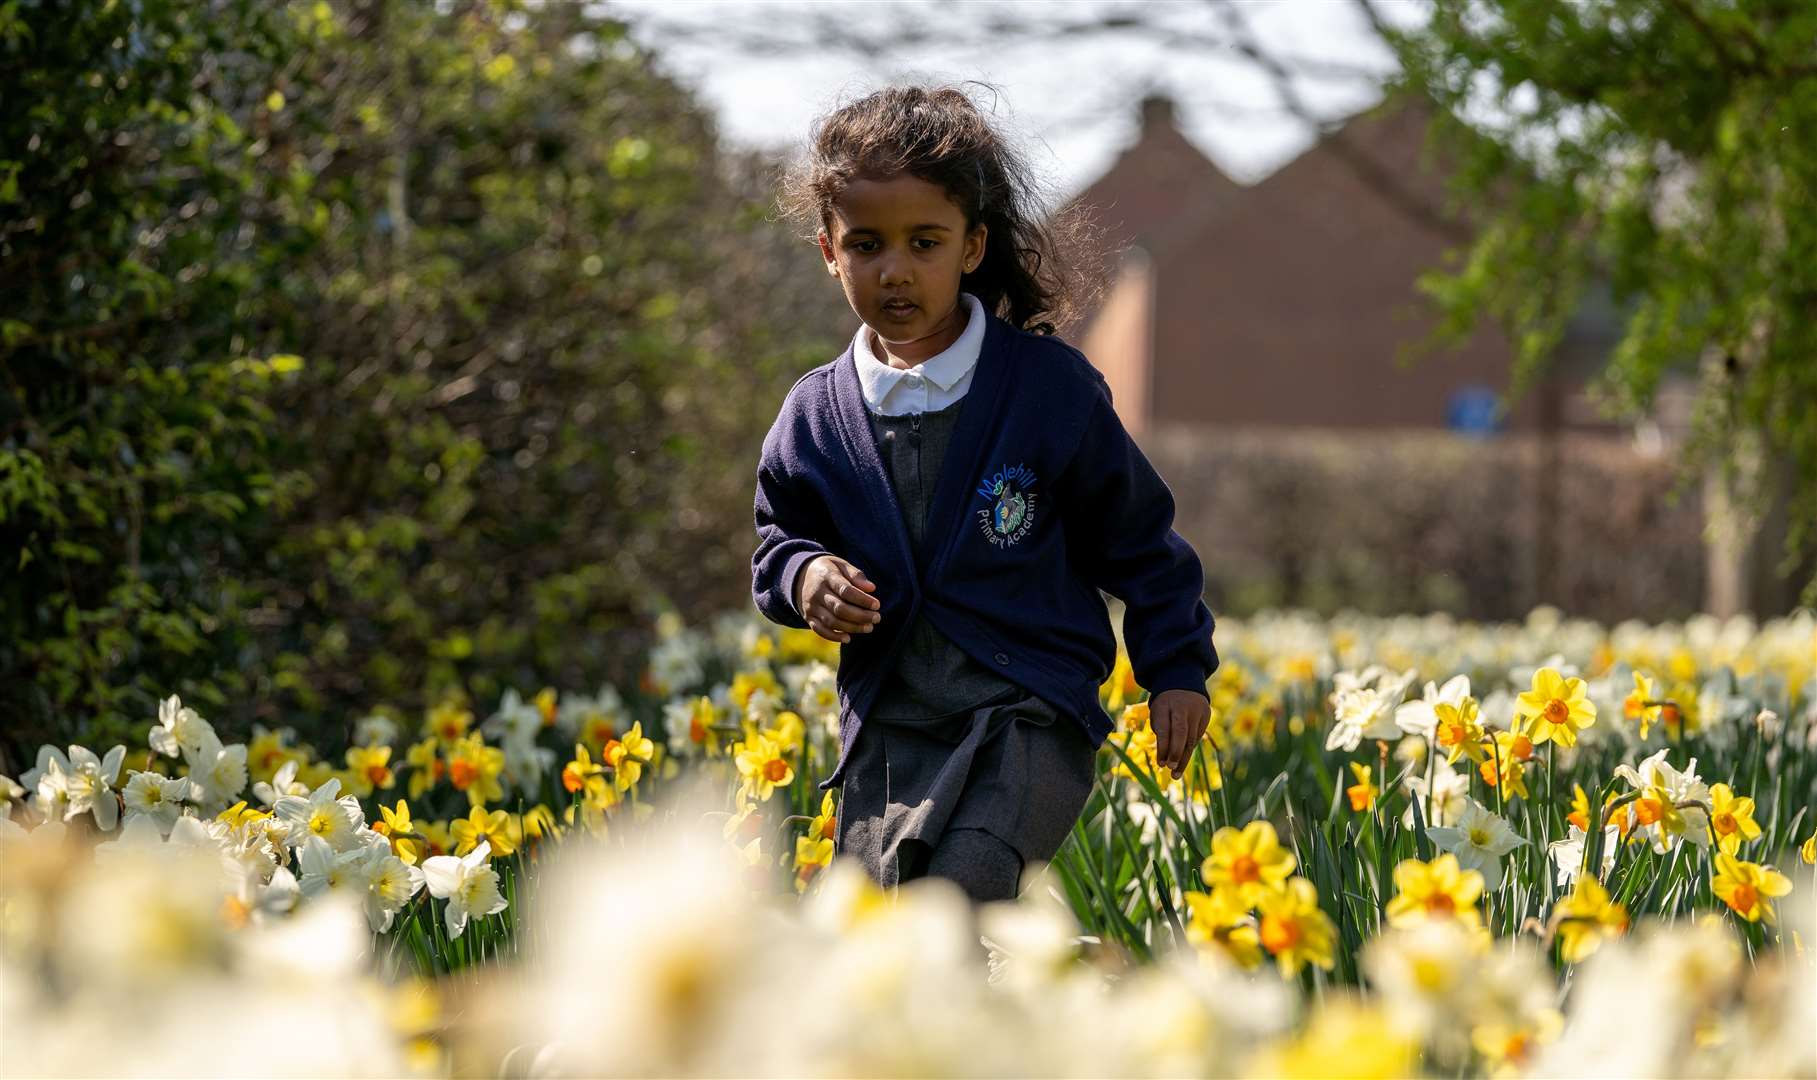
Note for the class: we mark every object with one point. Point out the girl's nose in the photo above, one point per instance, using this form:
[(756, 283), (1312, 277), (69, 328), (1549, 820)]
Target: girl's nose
[(893, 272)]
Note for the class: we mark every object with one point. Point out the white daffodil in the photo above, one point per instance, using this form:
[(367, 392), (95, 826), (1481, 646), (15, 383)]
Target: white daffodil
[(141, 834), (515, 716), (159, 798), (375, 729), (1479, 840), (321, 814), (1672, 805), (282, 784), (1450, 792), (1420, 973), (1418, 718), (260, 890), (675, 663), (219, 772), (820, 697), (525, 762), (1361, 712), (390, 883), (468, 884), (326, 869), (10, 792), (677, 721), (78, 784), (180, 729), (1568, 854)]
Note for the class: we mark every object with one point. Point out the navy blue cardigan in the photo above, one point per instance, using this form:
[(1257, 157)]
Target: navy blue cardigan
[(1043, 499)]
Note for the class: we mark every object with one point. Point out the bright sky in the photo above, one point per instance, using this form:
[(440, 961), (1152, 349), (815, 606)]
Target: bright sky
[(1073, 104)]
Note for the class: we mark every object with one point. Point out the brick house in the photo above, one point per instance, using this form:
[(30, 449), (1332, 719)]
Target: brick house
[(1283, 303), (1250, 336)]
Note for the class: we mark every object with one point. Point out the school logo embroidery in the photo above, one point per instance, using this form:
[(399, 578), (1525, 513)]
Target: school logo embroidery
[(1009, 510)]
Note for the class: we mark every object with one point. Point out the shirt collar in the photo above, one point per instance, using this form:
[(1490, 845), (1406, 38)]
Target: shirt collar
[(944, 369)]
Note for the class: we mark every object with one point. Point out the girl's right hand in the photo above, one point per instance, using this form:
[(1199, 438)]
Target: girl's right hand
[(836, 599)]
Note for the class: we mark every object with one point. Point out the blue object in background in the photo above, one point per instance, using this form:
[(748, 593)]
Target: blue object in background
[(1471, 411)]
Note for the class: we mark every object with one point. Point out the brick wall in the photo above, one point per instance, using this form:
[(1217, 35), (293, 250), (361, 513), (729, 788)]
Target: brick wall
[(1422, 521)]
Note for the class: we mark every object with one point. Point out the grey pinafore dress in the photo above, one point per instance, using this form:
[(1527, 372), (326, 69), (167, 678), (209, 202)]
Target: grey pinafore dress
[(949, 743)]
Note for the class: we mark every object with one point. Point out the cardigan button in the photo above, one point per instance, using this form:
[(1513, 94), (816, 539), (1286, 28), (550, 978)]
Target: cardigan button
[(1002, 658)]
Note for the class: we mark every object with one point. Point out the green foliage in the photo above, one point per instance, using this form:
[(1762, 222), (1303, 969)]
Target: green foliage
[(1670, 149), (133, 419), (356, 350), (528, 311)]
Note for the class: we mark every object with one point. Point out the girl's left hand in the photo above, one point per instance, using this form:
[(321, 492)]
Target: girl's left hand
[(1179, 719)]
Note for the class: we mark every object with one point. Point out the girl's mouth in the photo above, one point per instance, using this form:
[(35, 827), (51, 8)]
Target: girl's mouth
[(899, 310)]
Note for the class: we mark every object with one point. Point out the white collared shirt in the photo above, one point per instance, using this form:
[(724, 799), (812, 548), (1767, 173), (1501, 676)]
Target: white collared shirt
[(929, 386)]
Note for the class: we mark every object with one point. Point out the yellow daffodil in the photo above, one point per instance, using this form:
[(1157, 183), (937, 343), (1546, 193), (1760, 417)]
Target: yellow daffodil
[(313, 774), (583, 776), (545, 705), (825, 824), (1506, 768), (448, 722), (474, 767), (789, 731), (1731, 818), (1746, 887), (1679, 714), (702, 717), (1219, 920), (437, 839), (494, 828), (1140, 743), (1249, 863), (266, 754), (405, 842), (1134, 717), (1294, 929), (597, 728), (763, 767), (1120, 686), (589, 815), (1435, 890), (811, 856), (1343, 1038), (1587, 916), (369, 768), (239, 815), (1459, 730), (1508, 1047), (628, 756), (539, 822), (1362, 793), (745, 682), (1556, 708), (426, 768), (1635, 708), (1580, 808), (1808, 850)]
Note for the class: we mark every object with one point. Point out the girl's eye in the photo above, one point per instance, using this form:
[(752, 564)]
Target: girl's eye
[(868, 246)]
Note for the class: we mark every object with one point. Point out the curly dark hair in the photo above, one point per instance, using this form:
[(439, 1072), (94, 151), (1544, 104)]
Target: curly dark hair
[(1029, 275)]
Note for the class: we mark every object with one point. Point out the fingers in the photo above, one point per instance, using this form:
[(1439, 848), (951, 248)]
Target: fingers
[(843, 616), (855, 588), (842, 602), (1177, 727)]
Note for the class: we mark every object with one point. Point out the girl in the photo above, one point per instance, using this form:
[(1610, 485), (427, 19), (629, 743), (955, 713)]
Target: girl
[(947, 498)]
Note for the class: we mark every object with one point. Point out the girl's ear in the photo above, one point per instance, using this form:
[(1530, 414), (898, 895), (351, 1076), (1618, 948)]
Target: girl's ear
[(974, 246), (826, 252)]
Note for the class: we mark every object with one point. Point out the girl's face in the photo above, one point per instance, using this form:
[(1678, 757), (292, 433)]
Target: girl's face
[(898, 247)]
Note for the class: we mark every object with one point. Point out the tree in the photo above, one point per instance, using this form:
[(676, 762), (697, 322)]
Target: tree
[(134, 420), (1671, 150), (357, 353), (538, 318)]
